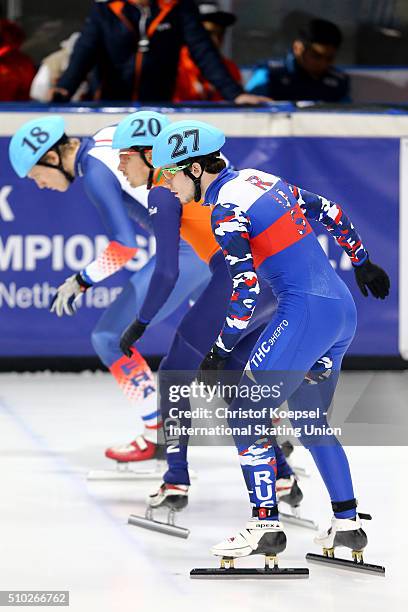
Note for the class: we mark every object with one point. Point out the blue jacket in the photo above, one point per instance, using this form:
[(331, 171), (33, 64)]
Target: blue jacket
[(288, 81), (110, 41)]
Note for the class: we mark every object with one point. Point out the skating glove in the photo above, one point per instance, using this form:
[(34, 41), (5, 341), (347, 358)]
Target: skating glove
[(210, 366), (372, 277), (63, 301), (133, 332)]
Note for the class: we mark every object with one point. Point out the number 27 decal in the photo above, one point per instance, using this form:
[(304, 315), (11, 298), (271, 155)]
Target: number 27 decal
[(178, 140)]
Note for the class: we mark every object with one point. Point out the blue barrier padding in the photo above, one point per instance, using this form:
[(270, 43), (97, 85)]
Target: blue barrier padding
[(45, 236)]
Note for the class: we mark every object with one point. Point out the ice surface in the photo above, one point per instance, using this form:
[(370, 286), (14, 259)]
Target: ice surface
[(59, 531)]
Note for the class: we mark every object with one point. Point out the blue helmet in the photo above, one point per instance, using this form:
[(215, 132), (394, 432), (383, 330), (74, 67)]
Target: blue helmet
[(33, 140), (139, 130), (184, 139)]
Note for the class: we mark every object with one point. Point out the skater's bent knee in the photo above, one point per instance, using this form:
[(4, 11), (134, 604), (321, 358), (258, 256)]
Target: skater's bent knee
[(106, 344)]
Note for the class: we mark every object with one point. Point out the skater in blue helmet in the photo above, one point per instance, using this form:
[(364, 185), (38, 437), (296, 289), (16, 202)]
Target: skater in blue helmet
[(41, 151), (262, 225)]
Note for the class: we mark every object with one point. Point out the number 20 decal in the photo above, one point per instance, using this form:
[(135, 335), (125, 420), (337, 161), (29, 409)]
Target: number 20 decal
[(152, 126), (178, 139)]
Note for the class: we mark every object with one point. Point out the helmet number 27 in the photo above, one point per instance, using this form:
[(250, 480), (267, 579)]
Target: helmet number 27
[(179, 139)]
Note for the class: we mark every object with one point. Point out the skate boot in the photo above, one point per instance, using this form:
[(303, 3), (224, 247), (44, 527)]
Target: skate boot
[(259, 537), (140, 449), (173, 498), (347, 533), (170, 495), (287, 448), (289, 494), (138, 460)]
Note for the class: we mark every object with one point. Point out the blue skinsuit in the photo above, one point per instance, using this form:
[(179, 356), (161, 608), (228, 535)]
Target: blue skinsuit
[(201, 324), (119, 207), (261, 224)]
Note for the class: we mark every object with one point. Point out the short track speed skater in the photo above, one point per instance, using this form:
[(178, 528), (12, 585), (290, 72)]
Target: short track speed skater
[(349, 534), (259, 537), (172, 498)]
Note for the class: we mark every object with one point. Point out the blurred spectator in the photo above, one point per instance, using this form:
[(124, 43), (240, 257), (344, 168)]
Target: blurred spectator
[(307, 72), (52, 67), (191, 84), (16, 69), (136, 45)]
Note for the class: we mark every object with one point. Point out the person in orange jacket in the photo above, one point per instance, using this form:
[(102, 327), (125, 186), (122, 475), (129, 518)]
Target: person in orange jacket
[(135, 47), (16, 68), (191, 84)]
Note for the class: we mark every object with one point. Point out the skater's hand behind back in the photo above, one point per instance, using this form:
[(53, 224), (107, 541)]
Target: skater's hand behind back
[(212, 363), (371, 277)]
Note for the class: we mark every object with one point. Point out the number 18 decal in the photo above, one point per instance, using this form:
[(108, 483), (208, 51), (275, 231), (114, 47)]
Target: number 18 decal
[(39, 136)]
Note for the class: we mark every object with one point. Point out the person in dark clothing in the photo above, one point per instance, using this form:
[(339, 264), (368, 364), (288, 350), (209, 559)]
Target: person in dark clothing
[(135, 44), (307, 73)]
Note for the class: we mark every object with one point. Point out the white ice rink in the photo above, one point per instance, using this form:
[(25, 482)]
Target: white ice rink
[(60, 532)]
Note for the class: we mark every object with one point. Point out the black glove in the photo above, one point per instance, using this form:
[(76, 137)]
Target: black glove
[(133, 332), (212, 363), (372, 277)]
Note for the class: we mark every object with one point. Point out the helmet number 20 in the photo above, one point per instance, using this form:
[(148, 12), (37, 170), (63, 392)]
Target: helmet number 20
[(152, 126), (39, 136), (178, 139)]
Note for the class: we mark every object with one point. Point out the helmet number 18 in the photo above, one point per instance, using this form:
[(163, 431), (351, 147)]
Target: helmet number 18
[(39, 136)]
